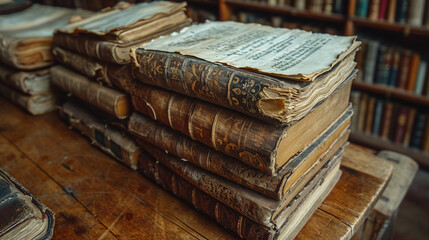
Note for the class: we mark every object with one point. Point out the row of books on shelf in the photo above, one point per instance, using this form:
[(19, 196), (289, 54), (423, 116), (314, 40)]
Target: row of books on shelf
[(279, 21), (414, 13), (317, 6), (392, 121), (392, 66)]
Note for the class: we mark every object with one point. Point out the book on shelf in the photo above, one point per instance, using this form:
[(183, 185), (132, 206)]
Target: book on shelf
[(116, 143), (23, 216), (223, 70), (182, 184), (383, 9), (254, 142), (416, 10), (109, 35), (36, 104), (369, 116), (370, 61), (404, 70), (418, 131), (414, 68), (362, 112), (409, 126), (378, 114), (401, 11), (391, 11), (420, 78), (282, 186), (362, 8), (28, 82), (26, 36), (373, 9), (109, 100), (386, 121)]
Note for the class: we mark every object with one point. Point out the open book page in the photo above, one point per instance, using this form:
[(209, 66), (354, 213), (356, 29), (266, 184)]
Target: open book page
[(294, 54)]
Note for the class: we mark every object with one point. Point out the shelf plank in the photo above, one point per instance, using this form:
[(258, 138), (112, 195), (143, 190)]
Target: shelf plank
[(394, 27), (286, 10), (396, 93), (422, 158)]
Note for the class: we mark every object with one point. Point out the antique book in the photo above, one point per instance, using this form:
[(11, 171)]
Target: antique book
[(401, 11), (108, 36), (362, 8), (256, 143), (383, 65), (26, 36), (416, 12), (404, 69), (369, 116), (281, 186), (23, 216), (382, 9), (387, 120), (391, 10), (117, 144), (274, 74), (374, 7), (412, 75), (378, 113), (409, 126), (394, 69), (264, 211), (418, 131), (401, 124), (420, 79), (36, 105), (32, 83), (109, 100), (370, 61)]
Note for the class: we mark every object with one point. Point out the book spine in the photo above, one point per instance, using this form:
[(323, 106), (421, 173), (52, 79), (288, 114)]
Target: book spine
[(362, 112), (378, 111), (223, 214), (88, 47), (197, 153), (401, 125), (369, 115), (393, 75), (362, 8), (240, 90), (370, 62), (355, 98), (382, 9), (82, 64), (418, 131), (426, 17), (404, 69), (401, 11), (409, 126), (391, 11), (387, 120), (108, 100), (414, 68), (420, 80), (374, 10), (425, 144), (415, 12), (252, 141), (112, 141), (380, 68), (360, 61)]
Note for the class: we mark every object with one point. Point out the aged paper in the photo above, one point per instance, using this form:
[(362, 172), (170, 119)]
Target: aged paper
[(295, 54)]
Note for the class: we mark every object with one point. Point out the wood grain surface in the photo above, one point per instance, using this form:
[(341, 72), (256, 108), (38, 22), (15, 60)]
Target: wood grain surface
[(95, 197)]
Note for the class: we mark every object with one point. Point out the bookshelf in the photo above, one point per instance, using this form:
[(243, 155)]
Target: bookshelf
[(348, 22)]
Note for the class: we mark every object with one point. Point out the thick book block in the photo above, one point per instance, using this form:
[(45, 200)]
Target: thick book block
[(201, 62), (258, 144), (110, 35), (26, 36), (298, 212), (109, 100), (32, 83), (117, 144), (282, 186), (36, 105), (23, 216)]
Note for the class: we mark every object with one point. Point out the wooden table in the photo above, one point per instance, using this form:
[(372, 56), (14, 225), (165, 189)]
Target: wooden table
[(95, 197)]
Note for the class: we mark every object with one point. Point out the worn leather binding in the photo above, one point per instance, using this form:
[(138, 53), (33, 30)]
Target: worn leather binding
[(112, 101), (275, 100), (254, 142), (36, 105), (283, 186), (23, 216), (32, 83), (246, 228), (112, 141)]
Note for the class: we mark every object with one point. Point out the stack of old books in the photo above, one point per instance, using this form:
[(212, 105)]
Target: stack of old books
[(246, 122), (88, 50), (25, 54)]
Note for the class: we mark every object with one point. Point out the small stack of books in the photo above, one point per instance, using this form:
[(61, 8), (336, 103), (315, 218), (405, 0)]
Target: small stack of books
[(25, 54), (246, 122), (89, 49)]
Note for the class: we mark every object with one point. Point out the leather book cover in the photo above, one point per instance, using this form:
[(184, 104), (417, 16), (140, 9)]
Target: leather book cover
[(409, 126), (109, 100), (362, 112), (117, 144), (235, 134), (401, 124), (394, 70), (369, 116), (382, 9), (182, 185), (417, 135), (404, 69), (412, 75), (425, 145), (31, 83), (23, 216), (378, 111), (387, 120), (36, 105), (391, 11), (374, 8), (26, 36), (281, 186), (109, 35)]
